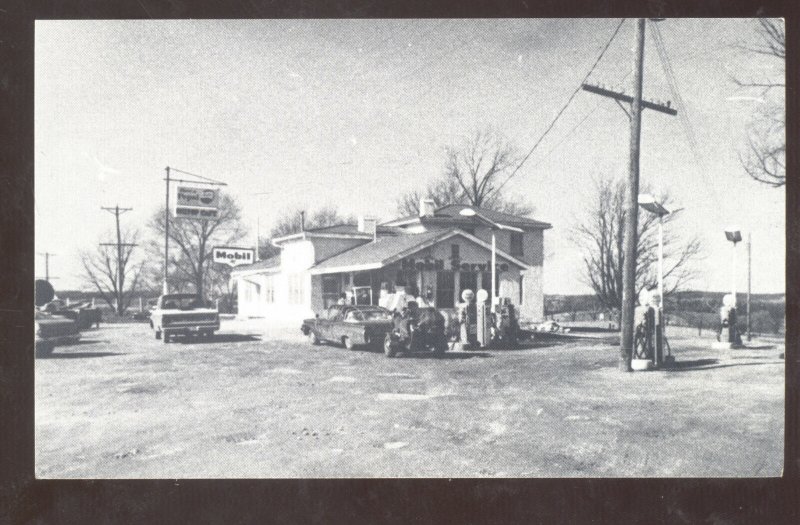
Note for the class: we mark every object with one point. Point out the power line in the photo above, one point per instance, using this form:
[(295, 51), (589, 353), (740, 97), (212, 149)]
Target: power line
[(564, 107), (575, 127), (199, 176), (683, 115)]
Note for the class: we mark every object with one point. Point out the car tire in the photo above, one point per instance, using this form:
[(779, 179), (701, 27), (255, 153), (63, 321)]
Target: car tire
[(43, 349), (158, 334), (312, 338), (389, 348), (348, 343), (167, 338)]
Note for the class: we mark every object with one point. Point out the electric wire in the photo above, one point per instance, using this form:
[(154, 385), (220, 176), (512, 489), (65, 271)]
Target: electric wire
[(196, 175), (564, 107), (574, 128), (683, 117)]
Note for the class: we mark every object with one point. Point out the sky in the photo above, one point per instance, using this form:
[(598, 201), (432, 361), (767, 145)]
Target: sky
[(354, 113)]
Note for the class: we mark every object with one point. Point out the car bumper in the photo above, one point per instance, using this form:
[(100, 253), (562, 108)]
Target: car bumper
[(190, 329), (58, 340)]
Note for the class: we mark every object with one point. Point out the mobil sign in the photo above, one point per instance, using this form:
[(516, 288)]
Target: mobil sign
[(233, 256), (195, 202)]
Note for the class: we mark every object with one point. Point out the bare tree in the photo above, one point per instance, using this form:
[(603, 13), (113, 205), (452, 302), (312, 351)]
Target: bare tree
[(116, 280), (476, 169), (764, 155), (191, 263), (601, 238), (292, 222)]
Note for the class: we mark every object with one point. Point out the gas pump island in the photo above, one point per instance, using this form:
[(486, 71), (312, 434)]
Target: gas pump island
[(482, 326), (650, 339)]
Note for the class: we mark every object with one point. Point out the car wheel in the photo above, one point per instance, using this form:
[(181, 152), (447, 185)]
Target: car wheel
[(158, 334), (440, 347), (312, 338), (167, 338), (43, 349), (348, 343), (388, 347)]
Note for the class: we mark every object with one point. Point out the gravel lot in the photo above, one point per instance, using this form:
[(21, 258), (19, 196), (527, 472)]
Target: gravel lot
[(248, 404)]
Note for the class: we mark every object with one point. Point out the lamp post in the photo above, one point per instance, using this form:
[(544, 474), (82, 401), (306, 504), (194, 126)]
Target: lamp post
[(649, 203), (734, 235), (469, 212), (493, 226)]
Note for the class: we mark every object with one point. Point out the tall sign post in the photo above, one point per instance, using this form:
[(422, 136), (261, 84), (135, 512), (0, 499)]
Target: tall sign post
[(189, 202), (165, 291)]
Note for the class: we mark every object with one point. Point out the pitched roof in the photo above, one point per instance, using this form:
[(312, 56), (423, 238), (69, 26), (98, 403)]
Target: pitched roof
[(387, 250), (451, 214), (353, 228), (454, 210), (272, 262)]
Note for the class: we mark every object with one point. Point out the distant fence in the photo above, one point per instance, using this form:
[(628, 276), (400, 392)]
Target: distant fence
[(762, 321)]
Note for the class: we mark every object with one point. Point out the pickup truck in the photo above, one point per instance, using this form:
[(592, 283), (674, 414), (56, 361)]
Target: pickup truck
[(183, 314)]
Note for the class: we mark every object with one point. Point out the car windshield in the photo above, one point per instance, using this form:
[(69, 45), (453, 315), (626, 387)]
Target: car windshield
[(376, 315), (182, 302)]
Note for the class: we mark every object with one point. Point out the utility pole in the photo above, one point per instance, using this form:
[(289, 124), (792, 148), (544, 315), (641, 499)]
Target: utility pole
[(258, 222), (632, 190), (749, 337), (47, 256), (120, 280), (166, 237)]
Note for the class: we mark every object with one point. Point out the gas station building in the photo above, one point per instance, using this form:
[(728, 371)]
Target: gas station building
[(438, 253)]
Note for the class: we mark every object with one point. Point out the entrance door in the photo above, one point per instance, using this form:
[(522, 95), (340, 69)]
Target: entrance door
[(468, 281), (445, 288)]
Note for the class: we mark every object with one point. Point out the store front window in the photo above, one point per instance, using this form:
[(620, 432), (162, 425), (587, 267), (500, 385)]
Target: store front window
[(330, 290)]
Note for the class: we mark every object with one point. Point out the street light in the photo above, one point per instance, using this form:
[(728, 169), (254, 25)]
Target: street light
[(493, 226), (734, 235), (469, 212), (649, 203)]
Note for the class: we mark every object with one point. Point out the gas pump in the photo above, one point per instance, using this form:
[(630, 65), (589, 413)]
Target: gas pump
[(507, 323), (727, 318), (644, 328), (484, 323), (467, 317)]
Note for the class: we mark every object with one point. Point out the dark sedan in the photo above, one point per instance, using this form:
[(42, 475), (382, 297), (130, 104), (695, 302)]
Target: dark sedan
[(350, 326)]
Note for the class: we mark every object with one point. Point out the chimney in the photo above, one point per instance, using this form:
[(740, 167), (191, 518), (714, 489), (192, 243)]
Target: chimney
[(426, 207), (368, 225)]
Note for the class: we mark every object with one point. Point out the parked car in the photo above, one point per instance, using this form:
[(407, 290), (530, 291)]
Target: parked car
[(53, 330), (349, 325), (416, 330), (83, 314), (183, 314)]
